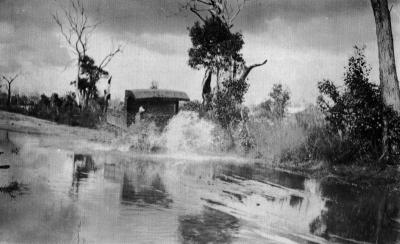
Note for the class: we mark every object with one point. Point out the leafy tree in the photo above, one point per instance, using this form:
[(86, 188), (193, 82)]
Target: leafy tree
[(226, 102), (55, 100), (56, 103), (226, 105), (275, 107), (44, 100), (356, 111), (215, 47), (90, 75), (23, 100)]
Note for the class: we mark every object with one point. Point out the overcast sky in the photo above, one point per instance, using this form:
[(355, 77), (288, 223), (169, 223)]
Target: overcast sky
[(304, 41)]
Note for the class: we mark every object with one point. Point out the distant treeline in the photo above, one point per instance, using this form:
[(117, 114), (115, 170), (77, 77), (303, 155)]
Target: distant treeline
[(60, 109)]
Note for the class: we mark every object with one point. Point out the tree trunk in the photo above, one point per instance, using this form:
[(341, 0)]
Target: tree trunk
[(231, 145), (78, 95), (387, 66), (218, 88), (9, 96)]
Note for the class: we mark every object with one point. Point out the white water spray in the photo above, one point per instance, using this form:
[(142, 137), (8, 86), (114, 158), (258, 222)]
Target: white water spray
[(186, 132)]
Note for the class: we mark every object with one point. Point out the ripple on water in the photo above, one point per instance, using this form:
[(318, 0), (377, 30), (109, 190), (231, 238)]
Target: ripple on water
[(113, 197)]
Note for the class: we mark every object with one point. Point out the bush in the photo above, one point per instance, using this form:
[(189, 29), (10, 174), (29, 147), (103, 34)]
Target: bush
[(356, 111), (270, 139), (321, 145), (353, 114), (194, 106), (226, 103), (275, 107), (63, 110)]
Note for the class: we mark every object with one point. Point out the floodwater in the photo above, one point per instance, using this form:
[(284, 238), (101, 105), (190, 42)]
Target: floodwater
[(75, 195)]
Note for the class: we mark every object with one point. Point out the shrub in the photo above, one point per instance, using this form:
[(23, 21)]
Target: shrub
[(349, 130), (271, 139), (275, 107), (356, 111), (226, 102), (194, 106), (63, 110)]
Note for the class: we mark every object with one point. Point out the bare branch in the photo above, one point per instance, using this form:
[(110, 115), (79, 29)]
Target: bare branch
[(226, 10), (259, 64), (247, 69), (10, 80), (107, 59), (196, 12), (76, 30)]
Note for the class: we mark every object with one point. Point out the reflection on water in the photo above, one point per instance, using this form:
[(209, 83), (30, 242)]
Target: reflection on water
[(211, 226), (141, 183), (365, 215), (83, 164), (142, 194), (109, 197)]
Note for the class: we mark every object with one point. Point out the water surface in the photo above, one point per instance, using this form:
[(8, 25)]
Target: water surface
[(69, 193)]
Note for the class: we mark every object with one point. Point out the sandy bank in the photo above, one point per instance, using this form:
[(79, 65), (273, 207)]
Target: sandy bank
[(30, 125)]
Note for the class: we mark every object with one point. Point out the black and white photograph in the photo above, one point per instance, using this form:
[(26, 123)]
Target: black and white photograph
[(200, 121)]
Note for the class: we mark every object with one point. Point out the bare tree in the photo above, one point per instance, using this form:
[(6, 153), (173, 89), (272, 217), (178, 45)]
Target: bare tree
[(225, 10), (154, 85), (76, 29), (9, 81), (387, 65)]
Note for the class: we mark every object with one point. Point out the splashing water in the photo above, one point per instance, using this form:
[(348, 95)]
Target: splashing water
[(186, 132)]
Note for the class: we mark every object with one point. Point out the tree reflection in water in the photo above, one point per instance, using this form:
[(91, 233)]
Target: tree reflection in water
[(141, 182), (83, 165), (211, 226), (154, 193), (359, 214)]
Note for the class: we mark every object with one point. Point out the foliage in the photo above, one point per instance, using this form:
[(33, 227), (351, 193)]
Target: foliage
[(214, 45), (350, 128), (356, 111), (64, 110), (90, 75), (275, 107), (271, 139), (247, 140), (194, 106), (226, 103), (321, 144), (216, 48)]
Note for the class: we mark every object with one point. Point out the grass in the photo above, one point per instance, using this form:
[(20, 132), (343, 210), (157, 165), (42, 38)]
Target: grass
[(303, 143), (270, 138)]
